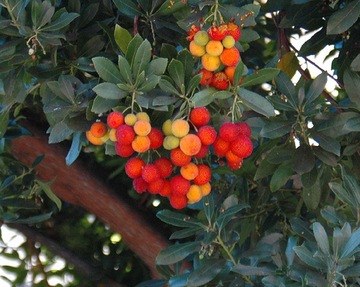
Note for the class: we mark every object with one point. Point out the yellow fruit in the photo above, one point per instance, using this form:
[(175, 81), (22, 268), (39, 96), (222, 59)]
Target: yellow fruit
[(142, 128), (196, 50), (210, 63), (171, 142), (130, 119), (214, 48), (201, 38), (112, 135), (166, 127), (180, 128), (228, 41), (94, 140), (142, 116), (194, 194), (205, 189)]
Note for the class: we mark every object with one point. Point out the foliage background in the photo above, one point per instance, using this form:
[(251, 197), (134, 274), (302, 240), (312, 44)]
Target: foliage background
[(288, 217)]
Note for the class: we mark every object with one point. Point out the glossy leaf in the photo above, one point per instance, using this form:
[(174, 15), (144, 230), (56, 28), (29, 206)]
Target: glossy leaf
[(276, 129), (177, 252), (286, 87), (352, 84), (61, 22), (351, 245), (321, 238), (168, 87), (307, 257), (304, 159), (225, 217), (127, 8), (49, 193), (355, 64), (280, 177), (343, 194), (257, 103), (125, 70), (204, 97), (122, 37), (187, 60), (142, 58), (289, 252), (177, 219), (75, 149), (251, 270), (176, 72), (186, 232), (344, 18), (107, 70), (205, 273), (327, 143), (59, 132), (109, 91), (259, 77), (316, 88), (157, 66)]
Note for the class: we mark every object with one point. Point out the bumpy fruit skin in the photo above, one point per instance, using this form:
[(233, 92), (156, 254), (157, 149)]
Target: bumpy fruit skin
[(141, 144), (196, 50), (220, 81), (192, 31), (194, 194), (204, 175), (133, 167), (155, 186), (178, 201), (115, 119), (228, 131), (210, 63), (206, 77), (179, 185), (205, 189), (221, 147), (142, 128), (150, 172), (164, 166), (166, 190), (189, 171), (98, 129), (201, 38), (218, 33), (94, 140), (228, 42), (199, 116), (180, 128), (204, 150), (125, 134), (130, 119), (190, 144), (178, 157), (156, 138), (242, 146), (124, 150), (214, 48), (234, 30), (207, 135), (140, 185), (166, 127), (230, 57), (243, 128)]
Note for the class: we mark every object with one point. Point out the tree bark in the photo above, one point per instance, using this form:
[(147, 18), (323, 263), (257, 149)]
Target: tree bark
[(77, 185)]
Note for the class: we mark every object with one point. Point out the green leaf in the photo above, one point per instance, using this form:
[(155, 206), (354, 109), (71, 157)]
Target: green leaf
[(251, 270), (289, 252), (4, 121), (75, 149), (326, 157), (329, 214), (209, 207), (132, 48), (259, 77), (204, 97), (308, 179), (352, 85), (193, 84), (61, 22), (177, 219), (59, 132), (301, 228), (351, 245), (321, 238), (239, 71), (49, 193), (307, 257), (264, 169), (351, 185), (101, 105), (340, 237), (127, 8), (157, 66), (249, 35), (344, 18), (122, 37), (107, 70), (280, 177), (177, 252), (142, 58), (168, 87), (343, 194), (32, 219), (125, 70), (150, 83), (256, 102), (186, 232), (316, 88), (187, 60), (304, 159), (176, 72), (109, 91), (222, 95), (289, 64), (276, 129), (327, 143), (225, 217), (205, 273), (286, 87), (355, 64)]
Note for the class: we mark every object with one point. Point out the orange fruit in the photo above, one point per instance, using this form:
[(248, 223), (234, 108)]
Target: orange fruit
[(141, 144), (196, 50), (155, 187), (115, 119), (204, 150), (189, 171), (133, 167), (190, 144), (178, 157), (214, 48), (210, 63), (166, 189), (205, 188), (234, 30), (199, 116), (242, 146), (180, 128), (194, 194), (206, 77), (142, 128), (204, 175), (94, 140), (230, 57), (98, 129)]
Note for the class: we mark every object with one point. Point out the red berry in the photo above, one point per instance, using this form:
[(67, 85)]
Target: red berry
[(234, 30), (150, 173), (123, 150), (243, 128), (155, 186), (203, 151), (207, 135), (218, 33), (199, 116), (164, 166), (125, 134), (115, 119), (192, 31), (139, 185), (134, 166), (206, 77), (220, 81), (204, 175), (178, 201), (166, 190), (228, 131), (221, 147), (242, 146), (178, 157), (179, 185), (156, 138)]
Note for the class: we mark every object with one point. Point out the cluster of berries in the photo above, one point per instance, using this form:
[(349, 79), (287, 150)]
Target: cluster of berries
[(179, 174), (219, 55)]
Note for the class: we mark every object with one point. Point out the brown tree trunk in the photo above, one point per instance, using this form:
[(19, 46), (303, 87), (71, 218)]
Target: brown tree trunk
[(77, 185)]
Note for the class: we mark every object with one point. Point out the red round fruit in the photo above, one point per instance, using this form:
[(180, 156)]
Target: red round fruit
[(123, 150), (150, 173), (242, 146), (166, 190), (179, 185), (199, 116), (206, 77), (203, 151), (125, 134), (178, 157), (139, 185), (156, 138), (204, 175), (220, 81), (218, 33), (165, 166), (178, 201), (155, 186), (134, 166), (221, 147), (228, 131), (207, 135), (234, 30), (115, 119), (243, 128)]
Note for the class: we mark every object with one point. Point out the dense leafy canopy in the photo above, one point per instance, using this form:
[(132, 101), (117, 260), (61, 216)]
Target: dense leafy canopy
[(289, 217)]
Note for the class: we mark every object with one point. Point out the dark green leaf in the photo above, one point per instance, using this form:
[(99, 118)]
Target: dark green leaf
[(264, 169), (259, 77), (122, 37), (308, 179), (66, 87), (193, 83), (239, 71), (280, 177), (204, 97), (142, 58), (316, 88), (340, 237), (326, 157), (187, 60), (177, 252), (59, 132), (249, 35), (308, 257), (125, 70), (109, 91), (61, 22), (327, 143), (186, 232), (321, 238), (127, 8), (205, 273), (33, 219), (177, 219), (251, 270), (352, 271), (351, 185), (276, 129), (329, 214), (256, 102), (150, 83), (4, 121), (107, 70), (343, 194), (286, 87), (168, 87), (179, 280), (49, 193), (177, 73), (355, 64), (164, 101), (225, 217), (344, 18), (157, 66), (209, 206), (304, 159), (301, 228), (352, 85), (101, 105)]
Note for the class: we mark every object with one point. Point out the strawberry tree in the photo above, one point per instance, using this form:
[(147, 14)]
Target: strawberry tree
[(209, 109)]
